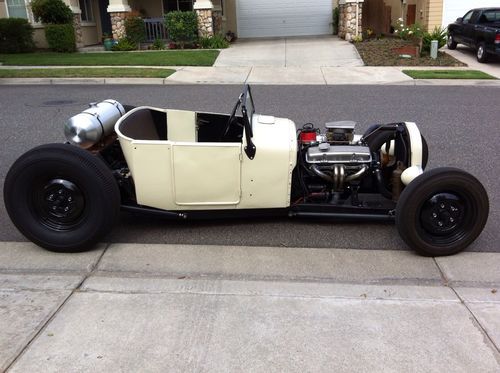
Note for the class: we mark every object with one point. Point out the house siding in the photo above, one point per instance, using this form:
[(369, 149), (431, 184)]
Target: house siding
[(434, 14)]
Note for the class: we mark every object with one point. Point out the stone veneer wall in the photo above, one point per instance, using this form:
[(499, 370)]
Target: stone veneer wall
[(347, 20), (205, 22), (77, 25), (118, 24)]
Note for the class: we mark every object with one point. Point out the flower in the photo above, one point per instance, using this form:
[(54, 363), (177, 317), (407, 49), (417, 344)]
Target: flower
[(400, 19), (410, 32)]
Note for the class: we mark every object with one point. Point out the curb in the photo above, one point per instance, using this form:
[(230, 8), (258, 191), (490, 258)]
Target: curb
[(167, 81)]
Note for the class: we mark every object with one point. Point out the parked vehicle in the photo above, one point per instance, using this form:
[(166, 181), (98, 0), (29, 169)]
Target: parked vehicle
[(478, 29), (185, 164)]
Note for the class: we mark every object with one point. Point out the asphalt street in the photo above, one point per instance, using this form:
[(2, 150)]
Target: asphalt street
[(460, 124)]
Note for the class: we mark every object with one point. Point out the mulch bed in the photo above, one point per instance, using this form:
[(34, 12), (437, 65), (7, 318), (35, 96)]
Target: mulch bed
[(388, 51)]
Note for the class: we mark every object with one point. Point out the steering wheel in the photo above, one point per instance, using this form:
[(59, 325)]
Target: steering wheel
[(232, 117)]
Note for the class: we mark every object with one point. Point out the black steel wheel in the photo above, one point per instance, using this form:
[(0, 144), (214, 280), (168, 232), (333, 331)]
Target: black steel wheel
[(451, 43), (442, 211), (481, 54), (61, 197)]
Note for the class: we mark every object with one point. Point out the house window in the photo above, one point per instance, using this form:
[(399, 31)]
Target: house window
[(86, 8), (171, 5), (17, 9)]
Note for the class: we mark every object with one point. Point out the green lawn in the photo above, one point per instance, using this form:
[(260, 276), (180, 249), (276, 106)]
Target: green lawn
[(89, 72), (146, 58), (447, 74)]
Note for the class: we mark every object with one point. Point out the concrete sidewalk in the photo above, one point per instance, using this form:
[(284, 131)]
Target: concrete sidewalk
[(330, 76), (261, 309)]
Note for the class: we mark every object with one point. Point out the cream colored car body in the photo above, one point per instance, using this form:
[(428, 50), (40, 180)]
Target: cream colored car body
[(183, 174)]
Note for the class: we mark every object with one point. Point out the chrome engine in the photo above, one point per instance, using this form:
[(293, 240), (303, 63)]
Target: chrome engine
[(334, 157)]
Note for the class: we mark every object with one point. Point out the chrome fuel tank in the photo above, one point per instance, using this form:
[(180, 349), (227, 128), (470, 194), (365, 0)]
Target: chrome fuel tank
[(92, 125)]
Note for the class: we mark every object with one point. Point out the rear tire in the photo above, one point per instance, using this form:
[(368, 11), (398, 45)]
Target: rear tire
[(481, 54), (451, 43), (442, 211), (61, 197)]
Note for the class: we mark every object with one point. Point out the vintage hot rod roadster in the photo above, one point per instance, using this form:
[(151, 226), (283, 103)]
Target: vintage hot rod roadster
[(185, 164)]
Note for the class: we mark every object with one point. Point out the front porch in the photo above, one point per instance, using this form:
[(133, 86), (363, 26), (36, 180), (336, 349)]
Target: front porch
[(152, 11)]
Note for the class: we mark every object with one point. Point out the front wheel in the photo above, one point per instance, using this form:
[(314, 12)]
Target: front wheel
[(61, 197), (442, 211), (481, 54)]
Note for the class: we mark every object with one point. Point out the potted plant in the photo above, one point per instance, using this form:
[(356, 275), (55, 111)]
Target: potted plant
[(107, 41)]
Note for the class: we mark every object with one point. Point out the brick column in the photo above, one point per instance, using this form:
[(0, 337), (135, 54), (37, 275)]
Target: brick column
[(203, 9), (118, 11), (350, 16)]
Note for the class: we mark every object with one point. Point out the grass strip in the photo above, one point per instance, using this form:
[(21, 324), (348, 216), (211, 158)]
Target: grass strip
[(447, 74), (145, 58), (103, 72)]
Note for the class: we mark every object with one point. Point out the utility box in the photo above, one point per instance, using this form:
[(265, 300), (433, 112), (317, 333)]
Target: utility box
[(434, 49)]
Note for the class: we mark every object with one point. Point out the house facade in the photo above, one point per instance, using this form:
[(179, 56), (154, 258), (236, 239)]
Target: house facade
[(245, 18), (251, 18)]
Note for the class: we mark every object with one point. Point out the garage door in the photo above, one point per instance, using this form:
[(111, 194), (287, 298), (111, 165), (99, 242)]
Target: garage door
[(267, 18), (452, 9)]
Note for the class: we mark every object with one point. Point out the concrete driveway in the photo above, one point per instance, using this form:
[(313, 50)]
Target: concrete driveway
[(468, 56), (316, 51)]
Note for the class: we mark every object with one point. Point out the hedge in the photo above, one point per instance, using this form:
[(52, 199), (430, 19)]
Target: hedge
[(182, 26), (16, 35), (51, 11), (61, 38)]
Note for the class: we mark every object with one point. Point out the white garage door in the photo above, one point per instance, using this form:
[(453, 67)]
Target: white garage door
[(453, 9), (267, 18)]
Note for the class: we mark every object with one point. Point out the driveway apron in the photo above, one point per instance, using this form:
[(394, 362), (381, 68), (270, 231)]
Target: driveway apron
[(290, 52)]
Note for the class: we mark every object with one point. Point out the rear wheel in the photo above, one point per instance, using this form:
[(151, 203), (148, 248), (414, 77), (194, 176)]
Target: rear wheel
[(442, 211), (451, 43), (481, 54), (61, 197)]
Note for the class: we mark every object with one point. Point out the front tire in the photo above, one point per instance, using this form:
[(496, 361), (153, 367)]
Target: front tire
[(451, 43), (61, 197), (442, 211), (481, 54)]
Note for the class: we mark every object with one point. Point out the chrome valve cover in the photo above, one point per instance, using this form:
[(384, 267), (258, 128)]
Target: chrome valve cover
[(344, 154)]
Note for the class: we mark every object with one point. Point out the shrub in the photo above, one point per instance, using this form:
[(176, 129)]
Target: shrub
[(335, 21), (440, 34), (16, 35), (182, 27), (213, 42), (158, 44), (124, 45), (408, 32), (61, 38), (135, 29), (51, 12)]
